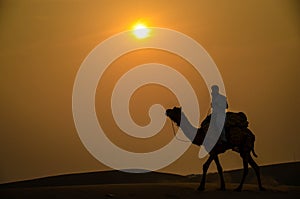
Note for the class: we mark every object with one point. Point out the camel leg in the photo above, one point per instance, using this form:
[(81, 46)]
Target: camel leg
[(220, 171), (257, 172), (205, 168), (245, 173)]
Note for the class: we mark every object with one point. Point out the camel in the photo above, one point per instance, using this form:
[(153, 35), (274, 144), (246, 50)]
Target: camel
[(239, 139)]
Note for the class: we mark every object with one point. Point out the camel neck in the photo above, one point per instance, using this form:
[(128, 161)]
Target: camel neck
[(188, 129)]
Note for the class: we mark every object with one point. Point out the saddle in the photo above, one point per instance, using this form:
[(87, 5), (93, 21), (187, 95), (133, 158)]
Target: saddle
[(235, 128), (232, 120)]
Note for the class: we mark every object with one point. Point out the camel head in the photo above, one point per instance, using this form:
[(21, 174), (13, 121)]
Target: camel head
[(174, 114)]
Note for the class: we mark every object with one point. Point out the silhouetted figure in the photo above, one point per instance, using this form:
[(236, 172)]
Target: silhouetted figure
[(237, 134), (219, 105)]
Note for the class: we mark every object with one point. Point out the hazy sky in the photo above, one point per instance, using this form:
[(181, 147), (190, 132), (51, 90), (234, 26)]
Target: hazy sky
[(255, 44)]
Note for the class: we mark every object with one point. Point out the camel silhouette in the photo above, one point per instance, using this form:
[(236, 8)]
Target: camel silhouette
[(239, 138)]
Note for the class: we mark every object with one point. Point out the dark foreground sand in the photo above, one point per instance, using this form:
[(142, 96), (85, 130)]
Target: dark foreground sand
[(149, 190)]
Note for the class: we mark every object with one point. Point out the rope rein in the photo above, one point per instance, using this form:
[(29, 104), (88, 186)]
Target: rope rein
[(176, 135), (173, 128)]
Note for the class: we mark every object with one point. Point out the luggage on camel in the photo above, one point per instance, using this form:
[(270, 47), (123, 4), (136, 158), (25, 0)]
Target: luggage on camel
[(232, 120)]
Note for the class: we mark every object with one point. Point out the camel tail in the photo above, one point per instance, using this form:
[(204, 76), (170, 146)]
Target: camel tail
[(253, 152), (253, 140)]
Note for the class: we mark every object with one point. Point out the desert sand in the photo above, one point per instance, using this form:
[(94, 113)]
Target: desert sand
[(149, 190), (281, 181)]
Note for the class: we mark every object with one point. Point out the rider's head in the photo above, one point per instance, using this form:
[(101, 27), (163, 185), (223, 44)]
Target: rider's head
[(215, 89)]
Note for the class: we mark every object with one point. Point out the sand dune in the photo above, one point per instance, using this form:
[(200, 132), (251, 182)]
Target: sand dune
[(280, 180), (148, 190)]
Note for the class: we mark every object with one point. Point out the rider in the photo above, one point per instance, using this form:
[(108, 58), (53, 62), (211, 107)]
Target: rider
[(219, 105)]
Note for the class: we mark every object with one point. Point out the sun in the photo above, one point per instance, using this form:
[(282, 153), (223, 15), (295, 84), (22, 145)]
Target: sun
[(141, 31)]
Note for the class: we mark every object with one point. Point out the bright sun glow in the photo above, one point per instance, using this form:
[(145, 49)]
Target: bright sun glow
[(141, 31)]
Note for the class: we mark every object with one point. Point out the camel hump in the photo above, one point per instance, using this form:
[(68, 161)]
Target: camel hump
[(236, 120), (232, 120)]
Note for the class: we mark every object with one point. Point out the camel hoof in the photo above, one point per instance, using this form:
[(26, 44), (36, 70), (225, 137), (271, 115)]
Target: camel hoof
[(262, 189), (201, 188), (239, 189)]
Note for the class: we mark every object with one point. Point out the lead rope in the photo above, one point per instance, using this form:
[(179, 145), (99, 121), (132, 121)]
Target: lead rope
[(176, 135)]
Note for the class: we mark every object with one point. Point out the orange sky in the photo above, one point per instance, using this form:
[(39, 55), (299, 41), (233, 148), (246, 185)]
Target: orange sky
[(255, 44)]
